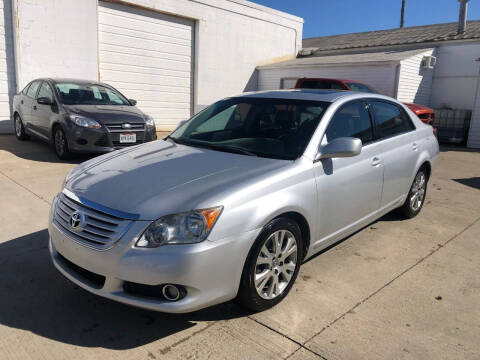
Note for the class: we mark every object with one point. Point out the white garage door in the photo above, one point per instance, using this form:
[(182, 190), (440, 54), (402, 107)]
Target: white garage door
[(7, 67), (149, 58)]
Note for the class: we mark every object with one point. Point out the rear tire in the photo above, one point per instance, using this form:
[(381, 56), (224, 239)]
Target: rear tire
[(60, 143), (272, 265), (19, 128), (416, 196)]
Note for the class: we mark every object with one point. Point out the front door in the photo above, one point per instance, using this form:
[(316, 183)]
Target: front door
[(349, 189)]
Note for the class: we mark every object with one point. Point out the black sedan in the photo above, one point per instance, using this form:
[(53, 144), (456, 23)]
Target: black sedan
[(79, 116)]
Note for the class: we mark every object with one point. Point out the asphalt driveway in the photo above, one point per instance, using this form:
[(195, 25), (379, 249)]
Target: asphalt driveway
[(395, 290)]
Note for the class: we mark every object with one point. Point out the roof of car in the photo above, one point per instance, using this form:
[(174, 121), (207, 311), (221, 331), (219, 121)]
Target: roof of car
[(71, 80), (308, 94)]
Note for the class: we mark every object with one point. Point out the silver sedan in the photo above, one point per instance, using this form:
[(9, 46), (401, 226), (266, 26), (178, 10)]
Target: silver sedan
[(233, 201)]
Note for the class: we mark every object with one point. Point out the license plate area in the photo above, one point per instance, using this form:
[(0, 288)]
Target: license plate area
[(128, 138)]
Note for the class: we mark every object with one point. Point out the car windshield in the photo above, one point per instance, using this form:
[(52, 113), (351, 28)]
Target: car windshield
[(360, 87), (272, 128), (89, 94)]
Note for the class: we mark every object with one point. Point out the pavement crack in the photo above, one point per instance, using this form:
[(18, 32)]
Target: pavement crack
[(287, 337), (438, 247), (26, 188)]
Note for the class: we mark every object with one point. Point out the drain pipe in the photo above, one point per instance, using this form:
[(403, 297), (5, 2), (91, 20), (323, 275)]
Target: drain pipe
[(462, 17)]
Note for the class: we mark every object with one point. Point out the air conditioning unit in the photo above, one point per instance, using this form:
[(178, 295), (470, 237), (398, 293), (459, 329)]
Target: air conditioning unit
[(428, 62)]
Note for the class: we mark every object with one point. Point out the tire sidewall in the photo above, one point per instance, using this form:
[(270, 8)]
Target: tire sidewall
[(247, 293)]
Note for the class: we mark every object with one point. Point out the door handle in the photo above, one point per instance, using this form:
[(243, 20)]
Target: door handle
[(414, 146), (376, 161)]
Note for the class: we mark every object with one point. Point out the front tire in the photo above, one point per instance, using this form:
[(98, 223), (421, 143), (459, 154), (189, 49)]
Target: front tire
[(60, 144), (416, 196), (272, 265), (19, 128)]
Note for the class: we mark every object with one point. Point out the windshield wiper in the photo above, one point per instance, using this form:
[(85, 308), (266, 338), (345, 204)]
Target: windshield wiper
[(232, 149), (226, 148)]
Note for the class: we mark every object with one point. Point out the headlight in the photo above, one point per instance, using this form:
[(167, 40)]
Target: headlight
[(149, 122), (184, 228), (85, 122)]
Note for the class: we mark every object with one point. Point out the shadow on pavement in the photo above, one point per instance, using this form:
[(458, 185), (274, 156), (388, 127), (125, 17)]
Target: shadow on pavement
[(473, 182), (36, 150), (35, 297)]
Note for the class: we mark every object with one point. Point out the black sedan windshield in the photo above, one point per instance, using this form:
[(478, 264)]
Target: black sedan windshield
[(89, 94), (273, 128)]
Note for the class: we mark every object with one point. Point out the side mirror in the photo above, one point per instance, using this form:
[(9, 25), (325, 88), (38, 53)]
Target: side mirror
[(132, 102), (340, 147), (45, 101)]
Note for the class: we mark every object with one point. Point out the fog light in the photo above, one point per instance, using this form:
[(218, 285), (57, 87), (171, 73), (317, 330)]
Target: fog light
[(81, 141), (171, 292)]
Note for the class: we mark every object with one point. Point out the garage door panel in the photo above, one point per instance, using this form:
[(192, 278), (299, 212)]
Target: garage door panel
[(134, 18), (148, 57), (153, 96), (145, 78), (143, 69), (145, 44), (145, 58), (153, 36)]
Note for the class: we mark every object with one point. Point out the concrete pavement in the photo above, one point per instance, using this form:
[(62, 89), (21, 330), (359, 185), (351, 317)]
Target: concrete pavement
[(396, 289)]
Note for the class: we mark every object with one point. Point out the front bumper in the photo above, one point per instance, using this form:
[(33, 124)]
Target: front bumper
[(102, 140), (209, 271)]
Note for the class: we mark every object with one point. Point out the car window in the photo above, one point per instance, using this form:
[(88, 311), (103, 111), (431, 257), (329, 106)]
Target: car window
[(32, 90), (45, 91), (391, 120), (273, 128), (321, 84), (352, 120), (25, 89), (360, 87), (89, 94)]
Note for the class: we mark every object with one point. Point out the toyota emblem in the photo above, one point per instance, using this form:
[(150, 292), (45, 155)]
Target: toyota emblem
[(126, 126), (76, 220)]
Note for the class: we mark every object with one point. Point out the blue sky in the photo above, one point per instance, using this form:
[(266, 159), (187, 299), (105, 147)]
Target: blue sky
[(330, 17)]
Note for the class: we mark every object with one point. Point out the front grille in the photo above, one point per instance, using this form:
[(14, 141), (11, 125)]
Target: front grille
[(95, 280), (117, 129), (102, 141), (98, 230)]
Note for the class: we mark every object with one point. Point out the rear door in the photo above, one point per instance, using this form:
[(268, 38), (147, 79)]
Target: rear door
[(42, 114), (400, 149), (349, 189), (27, 102)]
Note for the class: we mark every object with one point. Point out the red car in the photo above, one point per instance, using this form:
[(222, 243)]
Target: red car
[(425, 114)]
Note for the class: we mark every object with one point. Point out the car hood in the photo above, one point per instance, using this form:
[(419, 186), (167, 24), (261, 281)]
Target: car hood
[(161, 177), (419, 109), (108, 114)]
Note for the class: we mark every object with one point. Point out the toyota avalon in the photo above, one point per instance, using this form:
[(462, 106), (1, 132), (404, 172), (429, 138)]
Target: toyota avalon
[(233, 201)]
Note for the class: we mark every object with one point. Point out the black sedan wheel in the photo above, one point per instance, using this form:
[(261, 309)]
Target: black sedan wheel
[(60, 144), (19, 128)]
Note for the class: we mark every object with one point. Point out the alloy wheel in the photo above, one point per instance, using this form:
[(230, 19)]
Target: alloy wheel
[(276, 264), (418, 191), (18, 126), (59, 142)]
